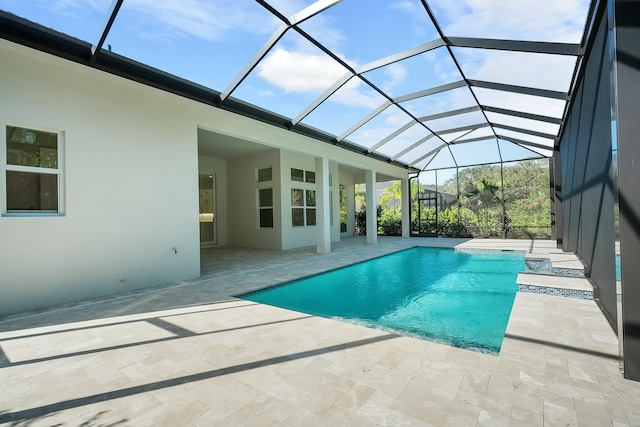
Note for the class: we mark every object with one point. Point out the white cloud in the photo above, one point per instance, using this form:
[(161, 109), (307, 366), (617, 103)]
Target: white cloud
[(353, 94), (290, 7), (298, 71), (545, 20), (551, 72), (206, 19), (397, 73)]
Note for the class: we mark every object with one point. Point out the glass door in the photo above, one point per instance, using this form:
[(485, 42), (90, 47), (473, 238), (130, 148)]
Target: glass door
[(428, 214), (207, 194)]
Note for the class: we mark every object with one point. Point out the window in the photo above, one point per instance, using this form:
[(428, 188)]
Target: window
[(265, 174), (303, 207), (32, 171), (297, 175), (310, 177), (265, 207)]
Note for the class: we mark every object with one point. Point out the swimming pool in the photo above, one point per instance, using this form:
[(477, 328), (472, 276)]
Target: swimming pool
[(460, 298)]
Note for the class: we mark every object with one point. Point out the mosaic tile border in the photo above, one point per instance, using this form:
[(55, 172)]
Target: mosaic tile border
[(571, 272), (497, 251), (556, 292)]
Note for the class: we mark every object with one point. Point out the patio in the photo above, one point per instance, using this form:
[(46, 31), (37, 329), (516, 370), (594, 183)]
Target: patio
[(191, 354)]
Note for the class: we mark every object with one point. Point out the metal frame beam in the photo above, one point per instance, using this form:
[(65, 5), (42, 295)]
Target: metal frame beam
[(392, 135), (253, 62), (115, 8), (479, 138), (315, 104), (522, 114), (526, 131), (524, 90), (434, 151), (449, 113), (527, 143), (311, 11), (568, 49), (462, 128), (431, 91), (413, 146), (400, 56), (364, 120)]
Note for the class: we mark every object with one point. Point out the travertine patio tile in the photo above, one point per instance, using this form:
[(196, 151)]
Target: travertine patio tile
[(521, 417), (492, 419), (288, 406), (378, 409), (422, 413), (447, 384), (340, 417), (254, 412), (219, 411), (631, 410), (461, 409), (559, 415), (305, 418), (460, 421), (321, 402), (354, 398), (417, 389), (333, 380), (590, 413)]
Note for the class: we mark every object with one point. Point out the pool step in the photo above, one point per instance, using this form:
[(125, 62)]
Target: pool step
[(555, 285), (562, 264)]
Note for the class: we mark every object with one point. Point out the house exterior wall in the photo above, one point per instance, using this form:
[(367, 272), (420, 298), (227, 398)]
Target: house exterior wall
[(295, 237), (130, 176), (130, 181), (244, 230)]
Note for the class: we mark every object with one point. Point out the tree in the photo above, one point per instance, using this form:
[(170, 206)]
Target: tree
[(481, 199), (392, 193)]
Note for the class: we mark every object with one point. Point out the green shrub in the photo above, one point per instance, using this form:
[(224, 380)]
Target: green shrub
[(390, 222)]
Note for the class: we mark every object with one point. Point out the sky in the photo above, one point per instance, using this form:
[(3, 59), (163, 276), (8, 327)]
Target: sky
[(210, 42)]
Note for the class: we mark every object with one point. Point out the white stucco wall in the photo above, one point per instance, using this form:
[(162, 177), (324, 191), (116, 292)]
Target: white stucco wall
[(212, 165), (131, 183), (295, 237), (130, 177), (242, 197)]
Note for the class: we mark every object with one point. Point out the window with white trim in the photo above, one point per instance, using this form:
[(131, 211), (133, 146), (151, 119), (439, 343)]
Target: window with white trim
[(265, 207), (303, 207), (32, 171), (265, 174)]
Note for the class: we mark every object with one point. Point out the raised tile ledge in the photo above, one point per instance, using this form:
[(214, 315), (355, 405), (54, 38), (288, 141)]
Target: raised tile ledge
[(557, 292), (566, 286)]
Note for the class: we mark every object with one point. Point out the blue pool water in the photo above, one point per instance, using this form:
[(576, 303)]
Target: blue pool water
[(459, 298)]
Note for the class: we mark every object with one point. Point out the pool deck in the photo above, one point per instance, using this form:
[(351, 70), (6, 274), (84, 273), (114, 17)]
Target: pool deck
[(191, 354)]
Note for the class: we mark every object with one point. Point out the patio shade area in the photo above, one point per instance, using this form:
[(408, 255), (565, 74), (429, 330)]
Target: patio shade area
[(422, 84)]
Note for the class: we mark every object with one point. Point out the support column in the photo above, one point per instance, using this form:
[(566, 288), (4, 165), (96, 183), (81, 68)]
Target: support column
[(557, 197), (552, 196), (406, 199), (627, 93), (323, 221), (372, 217)]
